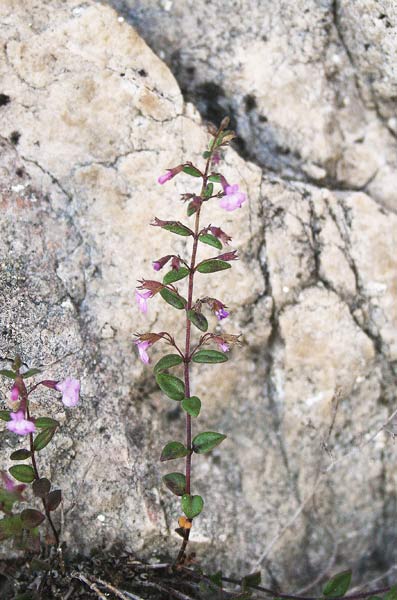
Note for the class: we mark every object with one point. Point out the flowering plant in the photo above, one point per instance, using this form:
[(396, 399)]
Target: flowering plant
[(230, 198), (22, 526)]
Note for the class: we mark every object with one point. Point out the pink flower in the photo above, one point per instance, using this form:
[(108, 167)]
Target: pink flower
[(142, 347), (10, 486), (224, 347), (14, 395), (166, 177), (221, 314), (142, 298), (233, 198), (19, 424), (70, 389)]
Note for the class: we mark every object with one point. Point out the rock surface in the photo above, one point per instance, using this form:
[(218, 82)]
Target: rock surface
[(90, 116)]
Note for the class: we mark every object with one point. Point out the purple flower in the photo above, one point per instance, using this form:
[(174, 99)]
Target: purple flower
[(224, 347), (166, 177), (70, 389), (19, 424), (221, 314), (10, 486), (14, 395), (142, 298), (142, 347), (233, 198)]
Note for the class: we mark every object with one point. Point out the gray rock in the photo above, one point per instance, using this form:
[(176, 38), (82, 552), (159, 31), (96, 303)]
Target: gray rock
[(307, 471)]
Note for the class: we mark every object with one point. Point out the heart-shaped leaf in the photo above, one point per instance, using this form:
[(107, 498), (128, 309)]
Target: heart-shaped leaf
[(175, 275), (206, 441), (24, 473), (198, 320), (168, 361), (209, 356), (173, 450), (212, 265), (53, 499), (192, 505), (173, 298), (338, 585), (31, 518), (172, 386), (176, 482), (22, 454), (192, 406), (41, 487)]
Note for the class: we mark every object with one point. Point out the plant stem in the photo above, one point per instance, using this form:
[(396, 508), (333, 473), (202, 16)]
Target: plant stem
[(24, 394), (187, 357)]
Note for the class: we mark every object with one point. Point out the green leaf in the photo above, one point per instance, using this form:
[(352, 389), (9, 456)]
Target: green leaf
[(177, 227), (8, 499), (22, 473), (176, 482), (206, 154), (209, 356), (211, 240), (43, 438), (41, 487), (216, 579), (54, 499), (173, 450), (8, 373), (192, 406), (198, 320), (175, 275), (251, 580), (5, 415), (212, 265), (190, 170), (191, 209), (209, 190), (192, 505), (30, 373), (46, 422), (10, 526), (206, 441), (215, 178), (172, 386), (173, 298), (22, 454), (168, 361), (338, 585), (391, 594), (31, 518)]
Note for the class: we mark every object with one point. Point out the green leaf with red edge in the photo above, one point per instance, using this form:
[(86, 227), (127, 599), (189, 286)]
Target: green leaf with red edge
[(192, 406), (211, 240), (46, 423), (8, 373), (21, 454), (209, 356), (43, 438), (54, 499), (176, 483), (41, 487), (5, 415), (31, 518), (191, 170), (212, 265), (192, 505), (214, 178), (338, 585), (176, 227), (191, 209), (175, 275), (198, 320), (24, 473), (207, 441), (167, 362), (172, 386), (30, 373), (173, 450), (173, 298), (10, 526)]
